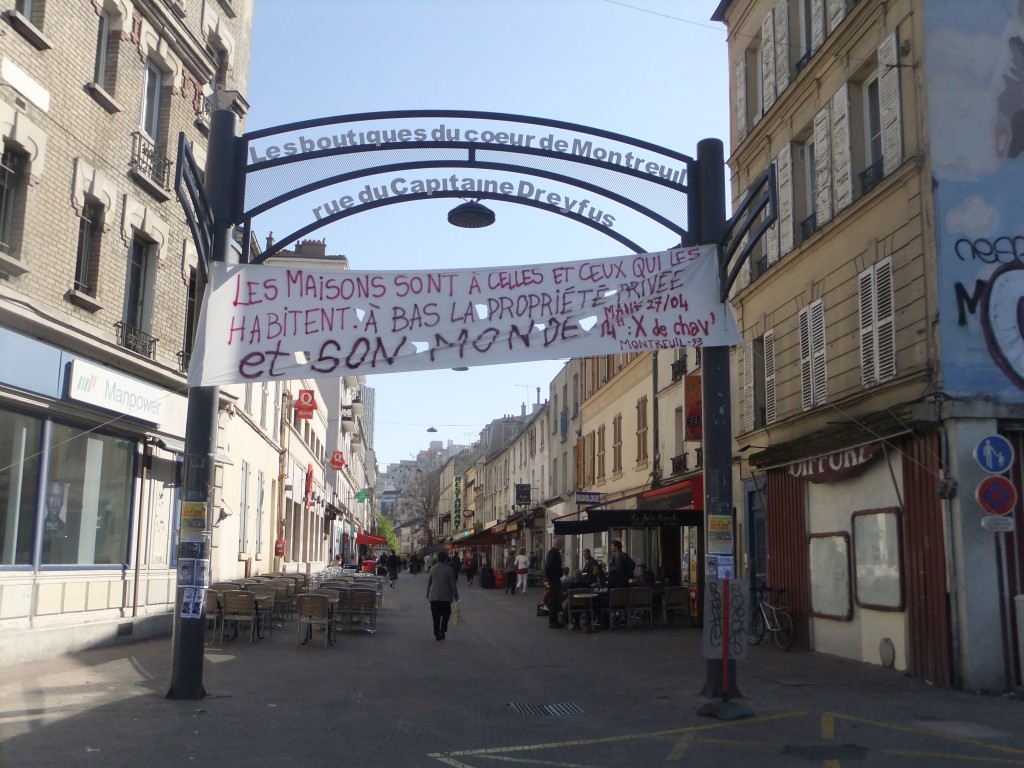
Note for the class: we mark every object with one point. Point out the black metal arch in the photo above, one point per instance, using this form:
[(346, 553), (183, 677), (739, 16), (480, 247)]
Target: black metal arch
[(471, 149)]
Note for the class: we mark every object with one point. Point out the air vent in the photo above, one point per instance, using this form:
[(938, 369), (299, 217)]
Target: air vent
[(123, 630)]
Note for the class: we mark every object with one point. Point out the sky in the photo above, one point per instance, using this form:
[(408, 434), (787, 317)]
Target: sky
[(654, 70)]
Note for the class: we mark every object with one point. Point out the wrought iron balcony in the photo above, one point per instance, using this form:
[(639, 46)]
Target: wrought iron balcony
[(183, 360), (679, 369), (149, 162), (871, 175), (809, 226), (136, 340), (679, 464)]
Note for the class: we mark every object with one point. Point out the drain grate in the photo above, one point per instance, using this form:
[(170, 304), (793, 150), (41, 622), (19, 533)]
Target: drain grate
[(552, 710)]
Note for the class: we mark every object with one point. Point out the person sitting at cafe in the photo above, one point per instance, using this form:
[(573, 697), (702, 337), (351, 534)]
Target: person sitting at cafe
[(644, 578), (566, 579), (598, 579), (580, 581)]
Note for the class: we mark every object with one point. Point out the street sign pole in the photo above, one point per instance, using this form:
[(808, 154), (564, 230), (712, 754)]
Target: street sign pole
[(201, 438)]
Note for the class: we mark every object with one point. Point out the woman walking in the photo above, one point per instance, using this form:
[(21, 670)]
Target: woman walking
[(394, 563), (510, 572), (441, 590), (522, 570)]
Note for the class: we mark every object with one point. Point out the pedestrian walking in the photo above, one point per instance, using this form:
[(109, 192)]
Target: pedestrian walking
[(553, 574), (467, 564), (442, 589), (456, 565), (522, 570), (394, 563), (510, 572)]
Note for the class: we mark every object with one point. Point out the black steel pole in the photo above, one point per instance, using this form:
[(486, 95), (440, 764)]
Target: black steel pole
[(716, 415), (195, 515)]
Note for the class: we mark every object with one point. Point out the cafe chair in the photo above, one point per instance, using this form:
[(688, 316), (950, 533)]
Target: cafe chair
[(616, 612), (677, 601), (239, 608), (212, 614), (579, 607), (641, 606), (363, 608), (313, 614), (266, 594)]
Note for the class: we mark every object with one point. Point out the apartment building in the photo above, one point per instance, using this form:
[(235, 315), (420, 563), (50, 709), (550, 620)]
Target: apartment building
[(98, 282), (878, 357)]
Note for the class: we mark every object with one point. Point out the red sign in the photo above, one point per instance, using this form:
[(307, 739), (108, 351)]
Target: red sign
[(305, 404), (996, 495), (694, 408), (309, 483), (279, 548), (337, 460)]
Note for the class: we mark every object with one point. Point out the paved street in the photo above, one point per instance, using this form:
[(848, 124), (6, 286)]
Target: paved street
[(502, 688)]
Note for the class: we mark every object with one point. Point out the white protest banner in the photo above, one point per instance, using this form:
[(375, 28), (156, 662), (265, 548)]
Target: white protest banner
[(261, 323)]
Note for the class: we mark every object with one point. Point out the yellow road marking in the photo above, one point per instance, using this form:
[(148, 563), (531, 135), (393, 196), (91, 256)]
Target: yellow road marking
[(956, 739), (679, 748), (828, 728)]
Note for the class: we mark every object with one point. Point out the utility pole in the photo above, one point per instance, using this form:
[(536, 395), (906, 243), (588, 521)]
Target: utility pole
[(195, 515)]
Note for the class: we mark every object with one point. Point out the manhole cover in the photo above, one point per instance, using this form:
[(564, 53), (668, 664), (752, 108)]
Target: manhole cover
[(553, 710)]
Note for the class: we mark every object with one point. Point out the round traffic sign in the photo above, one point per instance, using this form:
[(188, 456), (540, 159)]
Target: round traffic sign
[(996, 495), (994, 454)]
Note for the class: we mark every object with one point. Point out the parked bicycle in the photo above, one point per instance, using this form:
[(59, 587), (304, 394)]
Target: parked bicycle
[(770, 615)]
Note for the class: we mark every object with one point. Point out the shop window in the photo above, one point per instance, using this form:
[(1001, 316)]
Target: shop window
[(20, 441), (86, 518), (878, 572), (830, 576)]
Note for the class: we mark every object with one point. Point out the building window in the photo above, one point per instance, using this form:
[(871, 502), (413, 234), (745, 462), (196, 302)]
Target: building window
[(617, 444), (590, 452), (877, 331), (90, 226), (813, 375), (107, 39), (152, 87), (33, 10), (12, 200), (641, 430), (138, 298), (243, 510)]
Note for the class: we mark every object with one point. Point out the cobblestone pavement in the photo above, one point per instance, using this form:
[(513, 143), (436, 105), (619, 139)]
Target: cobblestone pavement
[(501, 689)]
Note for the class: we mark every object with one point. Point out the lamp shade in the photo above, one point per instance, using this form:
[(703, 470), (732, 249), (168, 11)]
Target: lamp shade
[(471, 215)]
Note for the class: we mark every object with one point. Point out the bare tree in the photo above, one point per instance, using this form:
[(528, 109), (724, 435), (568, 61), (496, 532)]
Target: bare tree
[(418, 502)]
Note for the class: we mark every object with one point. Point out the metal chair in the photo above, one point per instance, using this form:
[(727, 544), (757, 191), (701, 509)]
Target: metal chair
[(212, 617), (617, 608), (641, 606), (240, 608), (313, 613), (580, 607), (362, 606), (677, 601)]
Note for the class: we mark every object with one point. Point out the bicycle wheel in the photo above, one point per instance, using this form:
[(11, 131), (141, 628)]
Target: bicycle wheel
[(783, 636), (757, 627)]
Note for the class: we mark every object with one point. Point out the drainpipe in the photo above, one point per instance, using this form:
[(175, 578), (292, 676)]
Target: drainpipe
[(147, 457)]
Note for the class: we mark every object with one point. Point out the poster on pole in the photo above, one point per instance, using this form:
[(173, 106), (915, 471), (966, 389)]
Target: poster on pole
[(266, 323)]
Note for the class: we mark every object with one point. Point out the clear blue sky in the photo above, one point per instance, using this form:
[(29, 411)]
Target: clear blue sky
[(651, 69)]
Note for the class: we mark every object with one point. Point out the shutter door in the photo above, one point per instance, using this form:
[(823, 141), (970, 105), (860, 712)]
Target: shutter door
[(817, 24), (781, 46), (823, 168), (784, 179), (865, 293), (818, 373), (748, 386), (889, 96), (806, 390), (769, 377), (836, 14), (768, 60), (885, 330), (740, 96), (842, 181)]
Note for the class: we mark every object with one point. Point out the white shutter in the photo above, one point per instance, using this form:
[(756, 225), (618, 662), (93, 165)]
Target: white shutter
[(836, 14), (842, 181), (823, 168), (781, 46), (818, 371), (866, 302), (748, 386), (768, 60), (885, 330), (784, 180), (744, 276), (741, 95), (806, 383), (771, 243), (769, 377), (817, 24), (889, 98)]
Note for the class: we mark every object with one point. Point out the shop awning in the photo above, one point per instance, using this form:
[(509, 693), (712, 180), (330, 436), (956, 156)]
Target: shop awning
[(599, 520), (371, 539)]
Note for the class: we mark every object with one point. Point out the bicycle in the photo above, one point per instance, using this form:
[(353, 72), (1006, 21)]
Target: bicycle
[(769, 616)]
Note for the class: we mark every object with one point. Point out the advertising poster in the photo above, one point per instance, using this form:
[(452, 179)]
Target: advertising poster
[(193, 520), (720, 534)]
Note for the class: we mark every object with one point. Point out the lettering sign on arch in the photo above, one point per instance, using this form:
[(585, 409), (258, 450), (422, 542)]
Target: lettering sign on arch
[(262, 323)]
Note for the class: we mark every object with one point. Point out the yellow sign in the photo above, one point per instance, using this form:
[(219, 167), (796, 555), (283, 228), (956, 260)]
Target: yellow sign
[(193, 520)]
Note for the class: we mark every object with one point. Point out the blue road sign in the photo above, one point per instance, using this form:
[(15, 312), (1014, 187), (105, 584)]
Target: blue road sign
[(994, 454)]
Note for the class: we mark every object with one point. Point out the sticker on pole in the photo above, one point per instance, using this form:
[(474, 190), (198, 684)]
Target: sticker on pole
[(994, 454), (996, 495)]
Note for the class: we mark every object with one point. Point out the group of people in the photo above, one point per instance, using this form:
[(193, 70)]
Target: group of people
[(517, 569)]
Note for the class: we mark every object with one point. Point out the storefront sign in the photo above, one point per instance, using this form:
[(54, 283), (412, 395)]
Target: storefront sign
[(835, 466), (99, 386), (305, 404), (588, 497), (457, 503), (338, 462), (694, 405)]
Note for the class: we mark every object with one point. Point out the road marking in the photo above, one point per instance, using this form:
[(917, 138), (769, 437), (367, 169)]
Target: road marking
[(679, 748), (828, 727), (921, 731)]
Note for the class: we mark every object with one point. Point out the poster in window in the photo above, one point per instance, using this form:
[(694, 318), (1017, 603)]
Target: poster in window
[(830, 576), (55, 526), (877, 543)]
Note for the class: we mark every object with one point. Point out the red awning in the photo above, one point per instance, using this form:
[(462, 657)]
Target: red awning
[(372, 539)]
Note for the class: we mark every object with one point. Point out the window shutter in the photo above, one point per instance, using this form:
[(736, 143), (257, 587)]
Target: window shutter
[(769, 377), (889, 98), (865, 290), (744, 276), (768, 60), (806, 389), (740, 95), (784, 180), (748, 386), (771, 243), (580, 455), (817, 24), (836, 14), (818, 371), (885, 330), (823, 168), (781, 45), (842, 180)]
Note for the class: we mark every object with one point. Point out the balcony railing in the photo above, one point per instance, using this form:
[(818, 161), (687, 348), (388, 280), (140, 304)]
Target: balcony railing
[(148, 162), (679, 464), (679, 369), (136, 340), (871, 175), (183, 360), (809, 226)]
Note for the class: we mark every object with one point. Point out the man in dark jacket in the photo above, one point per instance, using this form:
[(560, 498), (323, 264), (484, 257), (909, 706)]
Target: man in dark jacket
[(442, 589), (553, 576)]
